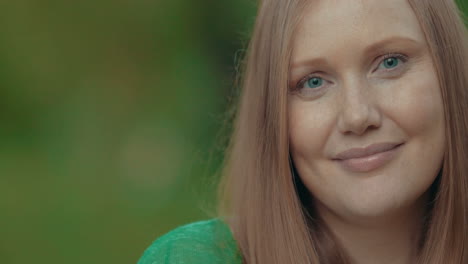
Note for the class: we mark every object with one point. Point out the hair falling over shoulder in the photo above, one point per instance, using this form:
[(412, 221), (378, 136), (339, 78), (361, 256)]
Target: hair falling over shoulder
[(267, 206)]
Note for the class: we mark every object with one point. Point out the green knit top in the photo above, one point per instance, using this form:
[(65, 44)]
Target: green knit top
[(203, 242)]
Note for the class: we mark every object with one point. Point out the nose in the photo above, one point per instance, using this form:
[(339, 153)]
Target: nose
[(358, 111)]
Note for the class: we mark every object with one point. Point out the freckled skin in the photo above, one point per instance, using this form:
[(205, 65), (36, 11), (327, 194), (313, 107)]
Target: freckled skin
[(360, 106)]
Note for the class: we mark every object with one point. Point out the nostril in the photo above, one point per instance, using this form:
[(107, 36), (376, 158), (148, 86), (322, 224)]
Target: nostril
[(358, 119)]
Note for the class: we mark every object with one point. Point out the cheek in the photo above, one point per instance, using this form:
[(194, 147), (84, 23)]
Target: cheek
[(310, 124), (415, 104), (416, 107)]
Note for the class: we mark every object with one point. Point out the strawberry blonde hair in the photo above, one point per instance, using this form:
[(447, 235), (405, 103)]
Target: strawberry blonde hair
[(267, 206)]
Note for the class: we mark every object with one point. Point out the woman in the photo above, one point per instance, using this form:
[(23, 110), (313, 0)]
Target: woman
[(349, 143)]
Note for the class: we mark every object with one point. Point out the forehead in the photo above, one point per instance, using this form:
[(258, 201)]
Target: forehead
[(331, 26)]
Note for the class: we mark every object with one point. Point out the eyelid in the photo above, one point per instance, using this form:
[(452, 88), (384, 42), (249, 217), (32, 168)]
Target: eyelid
[(303, 80), (402, 57)]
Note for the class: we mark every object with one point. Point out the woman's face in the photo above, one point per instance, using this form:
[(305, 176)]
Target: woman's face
[(366, 122)]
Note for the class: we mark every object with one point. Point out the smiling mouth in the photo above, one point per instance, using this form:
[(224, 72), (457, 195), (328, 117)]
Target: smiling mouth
[(367, 163)]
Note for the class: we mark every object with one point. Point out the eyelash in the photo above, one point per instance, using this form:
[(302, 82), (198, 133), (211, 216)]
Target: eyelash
[(400, 56)]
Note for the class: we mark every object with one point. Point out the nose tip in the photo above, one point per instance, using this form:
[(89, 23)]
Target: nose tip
[(354, 119), (358, 114)]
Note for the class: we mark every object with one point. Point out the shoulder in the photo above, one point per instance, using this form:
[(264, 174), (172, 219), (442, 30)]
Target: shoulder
[(207, 242)]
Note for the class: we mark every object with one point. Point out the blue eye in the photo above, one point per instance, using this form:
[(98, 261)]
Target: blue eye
[(314, 82), (390, 62)]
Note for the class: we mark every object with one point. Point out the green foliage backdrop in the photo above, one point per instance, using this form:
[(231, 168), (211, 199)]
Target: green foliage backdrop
[(109, 111)]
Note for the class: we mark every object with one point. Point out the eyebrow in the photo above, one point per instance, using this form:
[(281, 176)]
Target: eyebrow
[(373, 48)]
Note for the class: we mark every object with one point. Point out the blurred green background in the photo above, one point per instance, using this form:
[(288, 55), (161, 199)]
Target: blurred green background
[(109, 114), (110, 118)]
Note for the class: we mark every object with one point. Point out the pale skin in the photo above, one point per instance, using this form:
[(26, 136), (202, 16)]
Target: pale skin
[(374, 82)]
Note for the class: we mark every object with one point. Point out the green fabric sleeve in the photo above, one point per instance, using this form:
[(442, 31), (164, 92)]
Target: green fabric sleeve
[(204, 242)]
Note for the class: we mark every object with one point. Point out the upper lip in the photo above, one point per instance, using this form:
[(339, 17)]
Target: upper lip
[(355, 153)]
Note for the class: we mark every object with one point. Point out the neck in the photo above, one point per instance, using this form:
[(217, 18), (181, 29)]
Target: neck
[(387, 239)]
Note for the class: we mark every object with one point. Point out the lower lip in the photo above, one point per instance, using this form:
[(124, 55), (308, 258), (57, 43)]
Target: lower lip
[(369, 163)]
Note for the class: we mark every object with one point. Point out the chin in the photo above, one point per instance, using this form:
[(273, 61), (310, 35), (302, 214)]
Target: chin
[(382, 207)]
